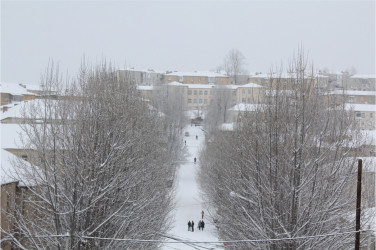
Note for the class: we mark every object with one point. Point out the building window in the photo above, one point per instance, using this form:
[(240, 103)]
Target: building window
[(189, 100), (200, 101), (200, 92), (249, 91), (194, 100), (243, 100), (205, 92), (24, 157), (249, 100), (371, 115), (189, 92), (358, 115), (195, 92), (243, 91)]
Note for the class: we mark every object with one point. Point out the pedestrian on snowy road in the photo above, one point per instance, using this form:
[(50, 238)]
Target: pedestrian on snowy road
[(193, 226), (195, 159), (202, 214), (199, 225), (196, 137), (189, 225), (202, 225)]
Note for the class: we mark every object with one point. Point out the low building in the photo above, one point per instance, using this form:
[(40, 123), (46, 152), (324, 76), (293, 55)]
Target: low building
[(14, 93)]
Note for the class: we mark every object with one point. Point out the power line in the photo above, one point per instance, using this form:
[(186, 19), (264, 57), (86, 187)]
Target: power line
[(208, 242)]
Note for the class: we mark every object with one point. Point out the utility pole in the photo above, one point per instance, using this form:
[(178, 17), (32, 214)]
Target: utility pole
[(358, 202)]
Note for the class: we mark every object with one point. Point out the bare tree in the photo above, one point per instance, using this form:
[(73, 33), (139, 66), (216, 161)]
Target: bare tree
[(103, 161), (234, 63), (218, 109), (286, 171)]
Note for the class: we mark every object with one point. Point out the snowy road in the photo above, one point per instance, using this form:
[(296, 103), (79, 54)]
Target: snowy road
[(188, 201)]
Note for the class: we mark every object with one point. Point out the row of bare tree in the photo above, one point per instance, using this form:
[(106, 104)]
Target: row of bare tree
[(286, 171), (102, 166)]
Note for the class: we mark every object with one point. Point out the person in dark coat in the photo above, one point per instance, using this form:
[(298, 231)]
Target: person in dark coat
[(189, 225), (193, 226), (199, 225), (195, 159), (202, 225), (196, 137)]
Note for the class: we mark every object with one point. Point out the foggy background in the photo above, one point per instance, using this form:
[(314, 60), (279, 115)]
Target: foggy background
[(183, 35)]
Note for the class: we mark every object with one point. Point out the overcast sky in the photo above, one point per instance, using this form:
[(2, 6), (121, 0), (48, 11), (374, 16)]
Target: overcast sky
[(183, 35)]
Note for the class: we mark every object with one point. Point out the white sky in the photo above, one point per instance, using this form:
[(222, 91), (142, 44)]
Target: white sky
[(183, 35)]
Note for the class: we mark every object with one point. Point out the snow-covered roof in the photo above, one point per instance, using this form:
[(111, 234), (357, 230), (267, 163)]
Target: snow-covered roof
[(353, 92), (142, 87), (363, 76), (15, 111), (144, 70), (191, 86), (249, 85), (6, 169), (10, 135), (17, 88), (227, 126), (282, 75), (197, 73), (360, 107), (246, 107)]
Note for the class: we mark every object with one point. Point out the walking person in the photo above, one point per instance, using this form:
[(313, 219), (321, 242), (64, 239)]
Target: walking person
[(202, 225), (195, 159), (196, 137), (202, 214), (199, 225), (189, 225), (193, 226)]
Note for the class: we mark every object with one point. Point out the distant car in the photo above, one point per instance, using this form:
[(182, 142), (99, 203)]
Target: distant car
[(198, 121), (186, 134)]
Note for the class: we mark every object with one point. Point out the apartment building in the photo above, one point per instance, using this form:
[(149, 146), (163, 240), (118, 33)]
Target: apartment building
[(197, 77), (352, 96), (249, 93), (364, 115), (361, 82), (141, 77), (287, 80)]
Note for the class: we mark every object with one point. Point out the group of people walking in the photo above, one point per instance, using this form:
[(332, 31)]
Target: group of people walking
[(191, 225), (201, 224)]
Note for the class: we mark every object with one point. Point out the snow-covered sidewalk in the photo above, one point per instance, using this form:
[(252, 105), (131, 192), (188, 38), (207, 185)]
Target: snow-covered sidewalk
[(188, 200)]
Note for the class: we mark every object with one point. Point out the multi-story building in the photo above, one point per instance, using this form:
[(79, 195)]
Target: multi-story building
[(287, 80), (361, 82), (364, 115), (351, 96), (249, 93), (197, 77), (141, 77)]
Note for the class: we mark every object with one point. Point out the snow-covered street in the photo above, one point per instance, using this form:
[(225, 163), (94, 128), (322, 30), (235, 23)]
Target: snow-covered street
[(189, 203)]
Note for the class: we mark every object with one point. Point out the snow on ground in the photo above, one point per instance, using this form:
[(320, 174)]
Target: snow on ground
[(189, 202)]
